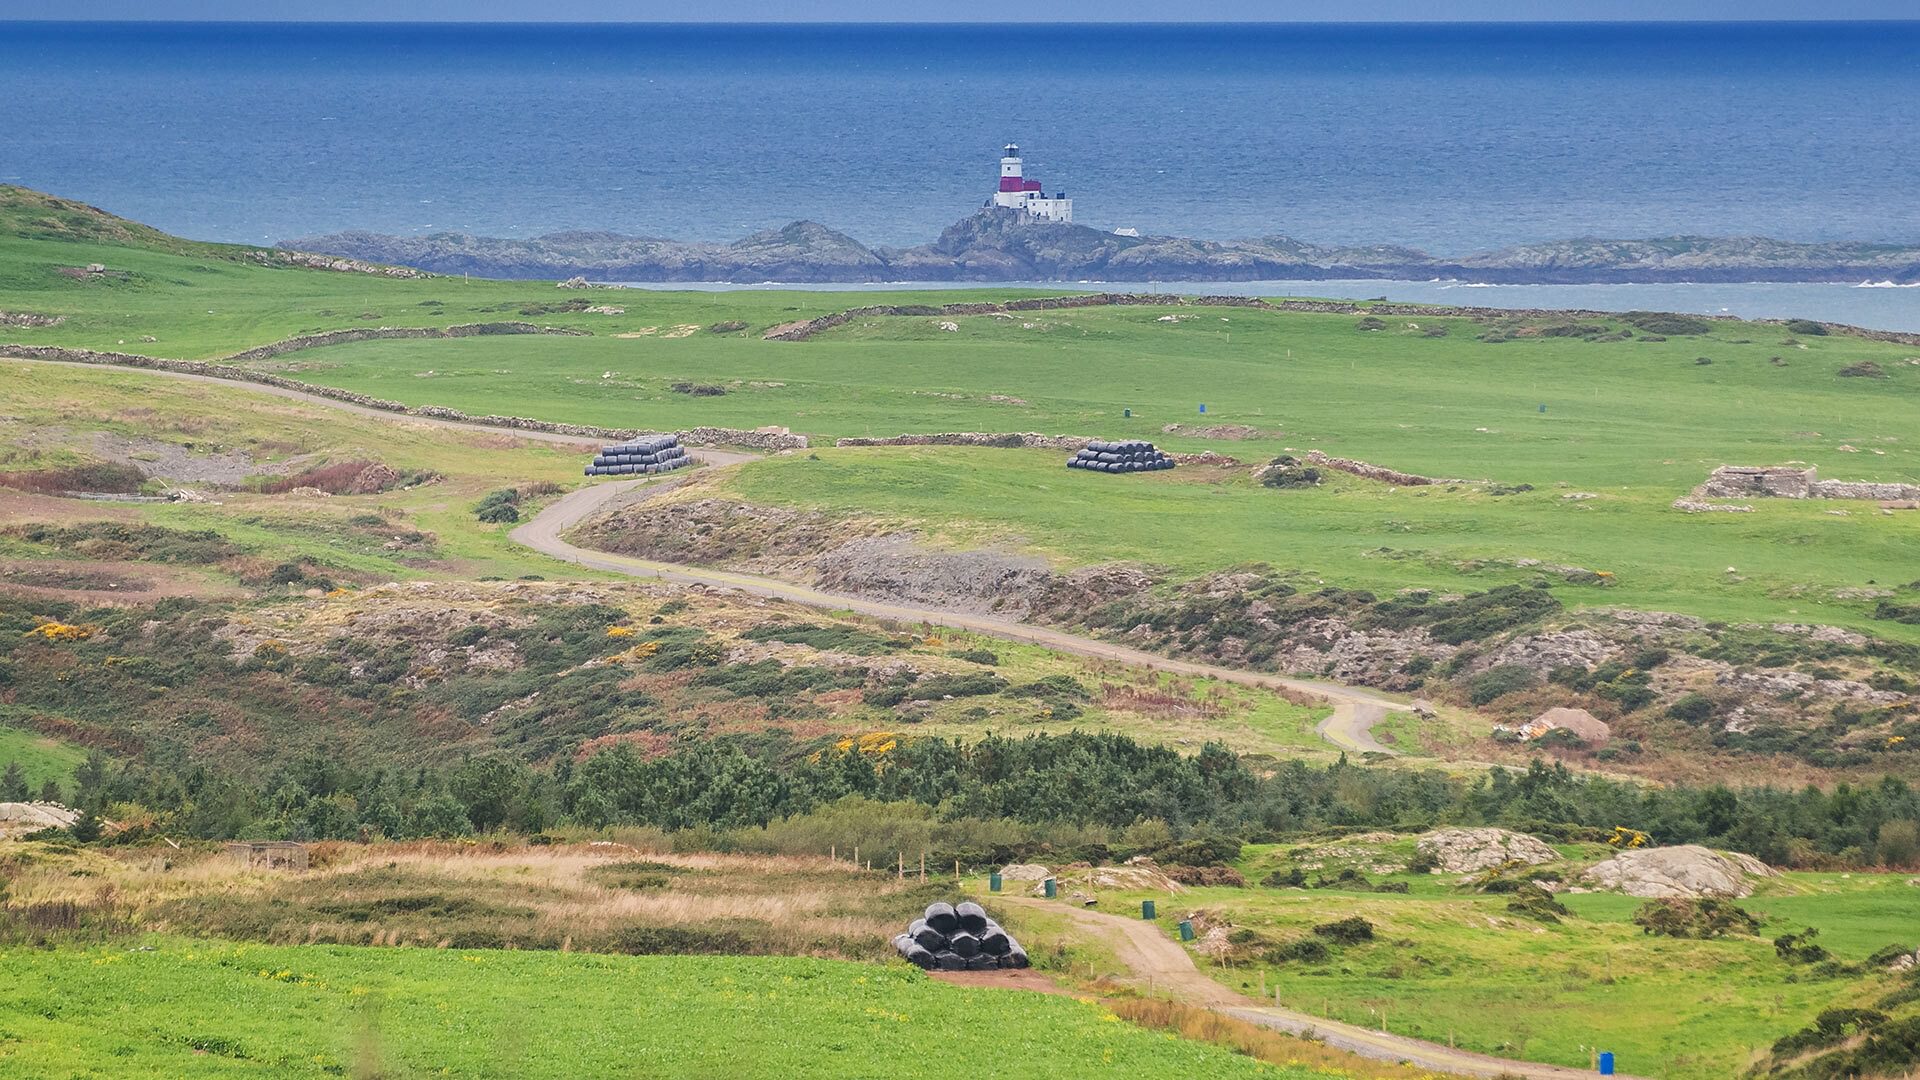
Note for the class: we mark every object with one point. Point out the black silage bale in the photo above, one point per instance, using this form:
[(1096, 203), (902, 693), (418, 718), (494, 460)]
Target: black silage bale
[(930, 939), (973, 917), (1016, 957), (964, 943), (950, 961), (995, 942), (941, 916), (982, 962), (920, 958)]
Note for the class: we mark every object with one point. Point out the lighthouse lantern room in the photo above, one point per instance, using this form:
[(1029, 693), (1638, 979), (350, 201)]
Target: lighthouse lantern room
[(1020, 193)]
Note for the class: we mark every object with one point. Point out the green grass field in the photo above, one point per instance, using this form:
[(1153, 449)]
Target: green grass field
[(1635, 422), (1449, 963), (41, 758), (189, 1009), (1792, 559)]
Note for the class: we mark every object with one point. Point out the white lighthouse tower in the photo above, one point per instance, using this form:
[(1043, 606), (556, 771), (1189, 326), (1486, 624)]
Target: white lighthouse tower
[(1019, 193)]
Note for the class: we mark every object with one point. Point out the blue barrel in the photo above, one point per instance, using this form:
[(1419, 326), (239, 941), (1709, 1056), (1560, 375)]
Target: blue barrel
[(993, 881), (1606, 1063), (1051, 887), (1186, 929), (1146, 910)]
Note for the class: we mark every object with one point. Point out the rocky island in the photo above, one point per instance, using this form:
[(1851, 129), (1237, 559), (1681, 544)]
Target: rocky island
[(998, 244)]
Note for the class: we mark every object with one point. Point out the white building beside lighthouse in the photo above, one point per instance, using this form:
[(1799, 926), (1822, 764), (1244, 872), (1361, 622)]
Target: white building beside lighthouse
[(1019, 193)]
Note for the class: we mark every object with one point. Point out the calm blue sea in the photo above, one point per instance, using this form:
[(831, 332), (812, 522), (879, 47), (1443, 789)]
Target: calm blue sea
[(1450, 138)]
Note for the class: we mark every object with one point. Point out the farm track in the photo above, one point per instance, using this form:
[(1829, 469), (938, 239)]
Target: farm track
[(1355, 711), (1157, 964), (1348, 728)]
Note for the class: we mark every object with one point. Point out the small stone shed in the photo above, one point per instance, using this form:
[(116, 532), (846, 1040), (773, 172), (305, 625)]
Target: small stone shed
[(269, 854)]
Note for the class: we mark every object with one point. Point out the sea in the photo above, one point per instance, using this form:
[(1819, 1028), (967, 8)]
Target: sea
[(1451, 138)]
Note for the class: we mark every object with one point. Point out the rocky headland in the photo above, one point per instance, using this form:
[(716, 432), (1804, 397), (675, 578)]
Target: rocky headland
[(1003, 245)]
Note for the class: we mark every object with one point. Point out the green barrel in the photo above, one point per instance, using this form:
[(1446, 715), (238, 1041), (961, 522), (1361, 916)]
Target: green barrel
[(1186, 929), (1052, 888), (993, 881), (1146, 909)]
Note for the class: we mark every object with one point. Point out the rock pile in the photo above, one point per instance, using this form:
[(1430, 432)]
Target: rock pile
[(641, 457), (1120, 457), (959, 937)]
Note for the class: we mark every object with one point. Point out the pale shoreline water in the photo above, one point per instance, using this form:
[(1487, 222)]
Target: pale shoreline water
[(1872, 305)]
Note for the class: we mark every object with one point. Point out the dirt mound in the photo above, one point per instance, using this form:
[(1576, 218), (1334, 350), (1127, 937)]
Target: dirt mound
[(1466, 851), (1687, 870)]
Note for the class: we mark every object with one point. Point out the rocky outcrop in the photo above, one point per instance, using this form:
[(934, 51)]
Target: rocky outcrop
[(898, 568), (997, 244), (1686, 871), (1467, 851), (26, 817)]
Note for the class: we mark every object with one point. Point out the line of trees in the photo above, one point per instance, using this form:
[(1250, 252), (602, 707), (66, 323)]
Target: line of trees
[(1088, 781)]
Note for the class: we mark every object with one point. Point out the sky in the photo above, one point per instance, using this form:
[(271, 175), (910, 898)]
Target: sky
[(954, 10)]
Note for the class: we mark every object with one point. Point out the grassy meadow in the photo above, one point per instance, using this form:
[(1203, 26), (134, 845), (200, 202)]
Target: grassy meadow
[(179, 1008), (1791, 561)]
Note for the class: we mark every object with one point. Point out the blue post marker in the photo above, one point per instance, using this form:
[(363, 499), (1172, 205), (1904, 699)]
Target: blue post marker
[(1203, 407), (1146, 909), (1128, 413), (1543, 408), (1050, 888), (1606, 1063), (1186, 930)]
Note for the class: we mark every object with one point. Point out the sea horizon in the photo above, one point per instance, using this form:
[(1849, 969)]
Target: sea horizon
[(1474, 135)]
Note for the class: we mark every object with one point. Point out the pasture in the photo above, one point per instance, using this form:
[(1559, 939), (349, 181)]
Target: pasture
[(177, 1008)]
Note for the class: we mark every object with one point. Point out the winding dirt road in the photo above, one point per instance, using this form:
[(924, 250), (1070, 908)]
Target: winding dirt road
[(1355, 711), (1159, 964)]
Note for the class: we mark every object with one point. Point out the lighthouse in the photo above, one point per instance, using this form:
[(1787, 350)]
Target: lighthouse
[(1018, 192)]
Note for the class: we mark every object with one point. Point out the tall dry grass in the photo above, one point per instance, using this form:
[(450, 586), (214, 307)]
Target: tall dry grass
[(597, 896), (1203, 1025)]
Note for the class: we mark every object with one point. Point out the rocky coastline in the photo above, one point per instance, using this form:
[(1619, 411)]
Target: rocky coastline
[(998, 245)]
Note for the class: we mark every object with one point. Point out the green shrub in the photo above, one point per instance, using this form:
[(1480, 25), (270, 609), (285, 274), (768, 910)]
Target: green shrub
[(1348, 931), (1705, 917), (1286, 471), (1694, 708), (1806, 328), (1302, 950), (1666, 323), (1497, 682)]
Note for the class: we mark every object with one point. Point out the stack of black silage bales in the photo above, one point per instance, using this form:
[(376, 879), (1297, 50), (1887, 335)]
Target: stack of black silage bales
[(959, 937), (1120, 457), (641, 457)]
